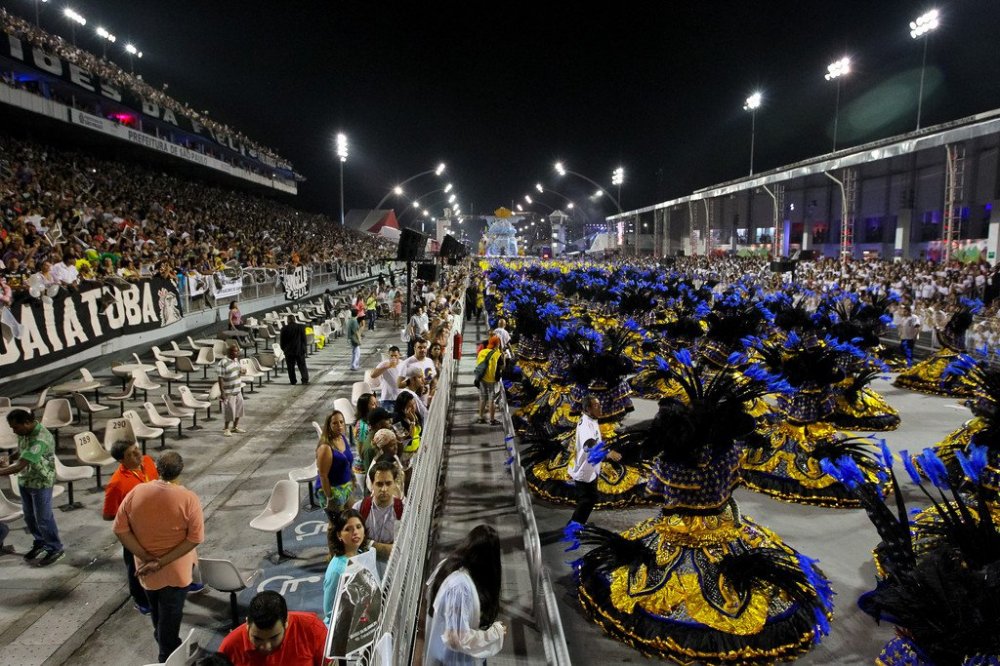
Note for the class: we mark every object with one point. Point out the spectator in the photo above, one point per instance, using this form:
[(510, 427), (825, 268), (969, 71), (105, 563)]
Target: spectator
[(420, 360), (414, 385), (908, 329), (463, 603), (334, 461), (387, 372), (346, 537), (293, 344), (382, 510), (488, 368), (408, 424), (380, 420), (416, 328), (36, 472), (354, 339), (274, 635), (231, 390), (134, 468), (161, 524)]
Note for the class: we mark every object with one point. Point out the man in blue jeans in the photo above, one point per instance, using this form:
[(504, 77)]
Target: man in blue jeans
[(36, 470)]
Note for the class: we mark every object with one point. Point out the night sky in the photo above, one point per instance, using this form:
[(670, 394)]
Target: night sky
[(500, 91)]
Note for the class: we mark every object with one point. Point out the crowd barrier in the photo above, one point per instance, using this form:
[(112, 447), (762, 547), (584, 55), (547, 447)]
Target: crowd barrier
[(403, 582), (543, 598)]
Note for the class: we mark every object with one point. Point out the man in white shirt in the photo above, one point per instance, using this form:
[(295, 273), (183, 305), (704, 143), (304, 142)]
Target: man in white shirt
[(387, 372), (419, 360), (417, 327), (501, 332), (582, 471), (64, 272), (382, 510), (908, 329)]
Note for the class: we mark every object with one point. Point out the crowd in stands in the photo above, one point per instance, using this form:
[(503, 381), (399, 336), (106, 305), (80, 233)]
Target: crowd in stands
[(111, 72), (131, 221)]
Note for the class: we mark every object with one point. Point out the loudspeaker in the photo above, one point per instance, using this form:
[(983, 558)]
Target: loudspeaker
[(679, 253), (784, 266), (427, 272), (411, 245), (807, 255), (451, 248)]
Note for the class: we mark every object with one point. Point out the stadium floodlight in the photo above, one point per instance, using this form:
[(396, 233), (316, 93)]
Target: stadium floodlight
[(538, 186), (560, 169), (452, 198), (618, 176), (569, 206), (398, 191), (752, 104), (447, 188), (101, 32), (342, 157), (426, 212), (440, 169), (74, 16), (922, 27), (520, 208), (131, 50), (527, 197), (837, 70), (416, 204)]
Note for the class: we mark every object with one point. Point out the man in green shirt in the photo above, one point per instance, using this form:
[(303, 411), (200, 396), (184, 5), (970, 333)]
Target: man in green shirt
[(36, 469)]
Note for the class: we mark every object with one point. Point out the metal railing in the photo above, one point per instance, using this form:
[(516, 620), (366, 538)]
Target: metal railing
[(544, 603)]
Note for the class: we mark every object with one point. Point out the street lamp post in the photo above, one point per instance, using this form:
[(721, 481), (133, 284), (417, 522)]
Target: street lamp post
[(342, 154), (922, 27), (38, 18), (751, 105), (398, 189), (836, 71)]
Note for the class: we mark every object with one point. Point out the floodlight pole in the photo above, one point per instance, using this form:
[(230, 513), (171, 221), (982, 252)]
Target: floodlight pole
[(923, 68)]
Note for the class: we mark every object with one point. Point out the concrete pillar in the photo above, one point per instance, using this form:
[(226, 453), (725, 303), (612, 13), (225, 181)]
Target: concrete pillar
[(993, 241), (904, 221)]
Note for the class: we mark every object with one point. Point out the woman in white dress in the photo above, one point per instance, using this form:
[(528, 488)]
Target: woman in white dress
[(463, 603)]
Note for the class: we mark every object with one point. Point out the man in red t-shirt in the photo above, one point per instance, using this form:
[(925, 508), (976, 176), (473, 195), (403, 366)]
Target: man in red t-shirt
[(273, 636), (134, 469)]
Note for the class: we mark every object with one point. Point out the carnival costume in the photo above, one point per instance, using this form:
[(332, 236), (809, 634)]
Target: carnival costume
[(928, 376), (940, 581), (701, 582), (786, 466)]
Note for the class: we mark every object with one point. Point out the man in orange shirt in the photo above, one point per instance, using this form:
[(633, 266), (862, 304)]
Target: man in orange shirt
[(161, 523), (273, 636), (134, 469)]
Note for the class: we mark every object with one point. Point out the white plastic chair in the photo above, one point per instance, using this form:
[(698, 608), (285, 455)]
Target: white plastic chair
[(185, 654), (127, 394), (157, 420), (144, 383), (58, 414), (117, 430), (191, 402), (90, 452), (307, 475), (181, 412), (158, 355), (177, 347), (206, 358), (39, 402), (143, 432), (250, 373), (68, 475), (185, 365), (222, 575), (346, 407), (282, 509), (357, 390), (84, 406), (167, 374), (9, 511)]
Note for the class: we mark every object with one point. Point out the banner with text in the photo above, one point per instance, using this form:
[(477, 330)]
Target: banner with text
[(75, 321)]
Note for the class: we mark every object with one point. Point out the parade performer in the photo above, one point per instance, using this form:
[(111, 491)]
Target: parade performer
[(928, 375), (701, 582)]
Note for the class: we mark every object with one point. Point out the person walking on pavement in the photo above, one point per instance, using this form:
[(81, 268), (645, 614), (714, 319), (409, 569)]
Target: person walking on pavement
[(231, 390), (293, 344), (584, 472), (36, 470), (354, 339)]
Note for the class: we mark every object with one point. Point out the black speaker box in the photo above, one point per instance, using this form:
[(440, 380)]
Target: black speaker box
[(807, 255), (411, 245), (679, 253), (450, 247), (784, 266), (427, 272)]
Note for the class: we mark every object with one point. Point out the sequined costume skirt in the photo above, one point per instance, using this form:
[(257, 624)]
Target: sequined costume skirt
[(786, 471), (901, 651), (870, 412), (683, 609), (618, 485), (928, 376)]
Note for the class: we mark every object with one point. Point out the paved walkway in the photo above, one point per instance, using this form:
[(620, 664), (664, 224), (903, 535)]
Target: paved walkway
[(77, 610), (475, 488)]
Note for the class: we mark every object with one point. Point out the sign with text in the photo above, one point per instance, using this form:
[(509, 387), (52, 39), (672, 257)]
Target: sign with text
[(77, 320)]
